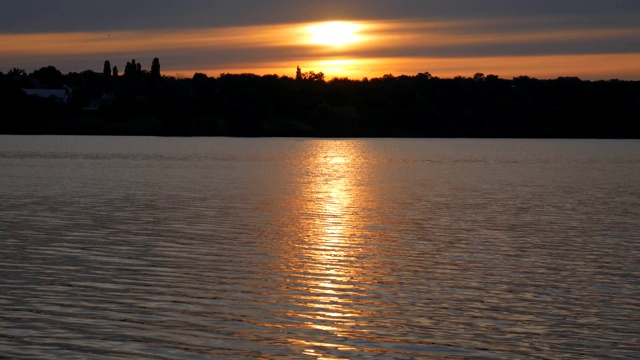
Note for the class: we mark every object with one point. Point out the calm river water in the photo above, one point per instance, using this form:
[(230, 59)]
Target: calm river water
[(209, 248)]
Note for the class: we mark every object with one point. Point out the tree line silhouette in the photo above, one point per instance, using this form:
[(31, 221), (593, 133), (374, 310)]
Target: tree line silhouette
[(141, 102)]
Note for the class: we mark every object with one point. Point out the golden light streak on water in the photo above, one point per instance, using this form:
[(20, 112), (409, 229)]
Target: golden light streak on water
[(329, 245)]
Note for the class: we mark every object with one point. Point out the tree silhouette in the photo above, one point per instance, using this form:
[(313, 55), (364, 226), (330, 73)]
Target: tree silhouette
[(298, 73), (48, 76), (16, 72), (310, 75), (106, 70), (131, 68), (421, 105), (155, 68)]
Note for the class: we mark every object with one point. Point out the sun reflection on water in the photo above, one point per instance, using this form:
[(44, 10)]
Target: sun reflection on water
[(329, 247)]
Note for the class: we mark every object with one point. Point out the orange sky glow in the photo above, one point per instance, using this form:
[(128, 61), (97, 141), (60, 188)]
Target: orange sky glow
[(353, 49)]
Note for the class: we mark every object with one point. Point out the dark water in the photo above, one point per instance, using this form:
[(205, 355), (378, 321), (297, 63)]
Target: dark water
[(209, 248)]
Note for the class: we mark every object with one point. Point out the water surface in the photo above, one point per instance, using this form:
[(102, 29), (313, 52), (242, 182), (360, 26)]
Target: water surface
[(208, 248)]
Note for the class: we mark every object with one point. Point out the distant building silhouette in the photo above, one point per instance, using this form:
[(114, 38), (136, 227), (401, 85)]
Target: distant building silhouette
[(59, 95)]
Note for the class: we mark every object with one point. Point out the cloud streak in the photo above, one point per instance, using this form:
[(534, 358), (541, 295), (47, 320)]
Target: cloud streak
[(540, 46)]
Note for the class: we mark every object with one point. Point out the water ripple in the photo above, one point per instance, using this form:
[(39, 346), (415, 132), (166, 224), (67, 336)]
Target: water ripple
[(340, 249)]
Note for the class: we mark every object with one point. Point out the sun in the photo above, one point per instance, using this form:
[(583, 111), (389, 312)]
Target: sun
[(333, 33)]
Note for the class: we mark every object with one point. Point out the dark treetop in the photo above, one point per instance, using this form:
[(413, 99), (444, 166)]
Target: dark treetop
[(140, 102)]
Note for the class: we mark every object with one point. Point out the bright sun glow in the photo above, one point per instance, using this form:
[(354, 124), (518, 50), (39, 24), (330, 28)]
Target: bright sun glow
[(333, 33)]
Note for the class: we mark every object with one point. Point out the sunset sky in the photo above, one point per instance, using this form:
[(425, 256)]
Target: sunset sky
[(590, 39)]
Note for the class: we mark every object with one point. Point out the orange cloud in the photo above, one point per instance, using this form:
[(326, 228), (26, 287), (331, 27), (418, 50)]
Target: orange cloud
[(444, 48), (595, 67)]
